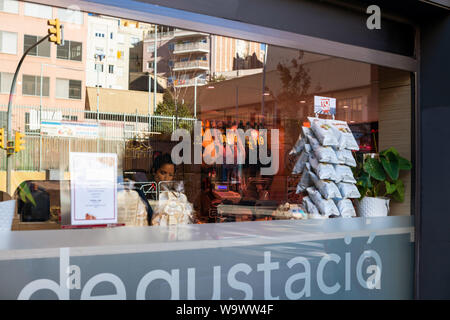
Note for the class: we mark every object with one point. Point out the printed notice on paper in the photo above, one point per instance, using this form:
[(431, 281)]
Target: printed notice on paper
[(93, 188), (324, 105)]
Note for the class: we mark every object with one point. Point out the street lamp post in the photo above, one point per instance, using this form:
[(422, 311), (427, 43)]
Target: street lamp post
[(9, 115)]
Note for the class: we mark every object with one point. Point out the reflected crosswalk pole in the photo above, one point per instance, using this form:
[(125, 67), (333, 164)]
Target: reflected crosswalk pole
[(9, 150)]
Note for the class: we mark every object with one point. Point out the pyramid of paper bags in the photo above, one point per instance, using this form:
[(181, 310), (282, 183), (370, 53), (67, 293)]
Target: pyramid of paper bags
[(325, 160)]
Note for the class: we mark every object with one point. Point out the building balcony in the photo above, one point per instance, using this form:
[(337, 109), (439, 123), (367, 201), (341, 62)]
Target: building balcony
[(188, 82), (182, 48), (150, 36), (191, 65), (188, 34)]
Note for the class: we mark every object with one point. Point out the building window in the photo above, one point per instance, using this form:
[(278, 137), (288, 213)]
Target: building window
[(31, 85), (99, 35), (134, 40), (68, 89), (5, 82), (171, 46), (98, 67), (120, 38), (37, 10), (70, 16), (10, 6), (42, 50), (111, 68), (71, 50), (111, 35), (8, 42), (150, 65)]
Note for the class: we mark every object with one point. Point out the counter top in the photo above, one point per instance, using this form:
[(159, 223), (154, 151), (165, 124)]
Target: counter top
[(20, 244)]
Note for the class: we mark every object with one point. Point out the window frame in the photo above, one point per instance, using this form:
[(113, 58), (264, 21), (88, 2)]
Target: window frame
[(37, 47), (68, 93), (69, 43), (36, 84)]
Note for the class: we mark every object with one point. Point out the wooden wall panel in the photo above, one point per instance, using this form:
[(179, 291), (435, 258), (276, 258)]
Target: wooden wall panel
[(395, 124)]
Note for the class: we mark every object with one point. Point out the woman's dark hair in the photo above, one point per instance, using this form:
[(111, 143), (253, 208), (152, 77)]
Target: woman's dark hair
[(161, 160)]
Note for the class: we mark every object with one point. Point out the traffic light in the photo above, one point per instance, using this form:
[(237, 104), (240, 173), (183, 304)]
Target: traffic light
[(2, 138), (19, 142), (55, 31)]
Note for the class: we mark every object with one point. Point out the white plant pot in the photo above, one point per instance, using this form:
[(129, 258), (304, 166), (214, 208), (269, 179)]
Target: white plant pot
[(372, 207), (7, 209)]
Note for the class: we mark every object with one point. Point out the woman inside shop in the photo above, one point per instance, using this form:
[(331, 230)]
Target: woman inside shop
[(171, 206), (163, 168)]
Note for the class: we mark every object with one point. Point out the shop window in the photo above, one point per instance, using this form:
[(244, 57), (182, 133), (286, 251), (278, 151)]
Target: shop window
[(253, 87)]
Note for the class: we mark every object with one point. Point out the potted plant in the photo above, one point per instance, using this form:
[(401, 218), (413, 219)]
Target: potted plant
[(378, 182)]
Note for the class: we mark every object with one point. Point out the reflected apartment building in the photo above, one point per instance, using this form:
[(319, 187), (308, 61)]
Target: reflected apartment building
[(114, 51), (62, 68), (186, 58)]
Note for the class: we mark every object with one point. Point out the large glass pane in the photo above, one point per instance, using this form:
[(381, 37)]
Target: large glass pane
[(274, 150)]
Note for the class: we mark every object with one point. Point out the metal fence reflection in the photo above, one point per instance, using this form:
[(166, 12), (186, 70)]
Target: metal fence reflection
[(50, 135)]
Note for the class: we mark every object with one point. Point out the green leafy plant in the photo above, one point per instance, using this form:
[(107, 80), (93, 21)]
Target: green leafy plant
[(379, 176), (25, 193)]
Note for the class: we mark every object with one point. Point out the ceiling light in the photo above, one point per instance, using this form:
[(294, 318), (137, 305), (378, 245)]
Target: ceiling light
[(210, 87), (302, 101), (345, 107)]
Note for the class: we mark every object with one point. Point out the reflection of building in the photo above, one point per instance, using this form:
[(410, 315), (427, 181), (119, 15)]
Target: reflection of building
[(119, 43), (242, 98), (62, 67), (184, 56)]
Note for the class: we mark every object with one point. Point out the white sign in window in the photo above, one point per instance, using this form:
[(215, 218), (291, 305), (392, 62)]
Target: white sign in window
[(324, 105), (93, 187)]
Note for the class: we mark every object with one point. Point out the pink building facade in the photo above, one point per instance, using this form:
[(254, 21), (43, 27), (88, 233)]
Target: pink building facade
[(62, 67)]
